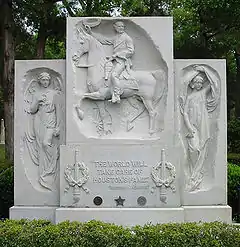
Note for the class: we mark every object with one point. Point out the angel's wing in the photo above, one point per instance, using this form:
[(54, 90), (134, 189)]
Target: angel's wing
[(57, 84), (31, 89), (30, 139), (162, 85)]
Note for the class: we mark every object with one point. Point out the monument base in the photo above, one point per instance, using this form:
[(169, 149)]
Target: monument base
[(208, 214), (126, 216), (122, 216), (31, 213)]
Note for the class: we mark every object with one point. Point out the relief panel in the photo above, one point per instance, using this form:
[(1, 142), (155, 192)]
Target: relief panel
[(114, 175), (200, 113), (40, 108), (118, 80)]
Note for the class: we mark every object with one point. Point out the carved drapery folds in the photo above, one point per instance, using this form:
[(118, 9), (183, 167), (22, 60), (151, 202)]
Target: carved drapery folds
[(44, 112), (199, 101)]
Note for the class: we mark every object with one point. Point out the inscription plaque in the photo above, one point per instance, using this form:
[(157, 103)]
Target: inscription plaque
[(126, 173), (116, 170)]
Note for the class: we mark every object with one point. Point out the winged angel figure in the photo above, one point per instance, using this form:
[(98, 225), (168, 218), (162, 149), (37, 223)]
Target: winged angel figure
[(42, 136)]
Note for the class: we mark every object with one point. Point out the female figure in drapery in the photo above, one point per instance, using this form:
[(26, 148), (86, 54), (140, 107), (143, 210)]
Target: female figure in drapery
[(42, 134), (203, 94)]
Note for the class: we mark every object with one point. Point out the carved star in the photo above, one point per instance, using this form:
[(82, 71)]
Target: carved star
[(119, 201)]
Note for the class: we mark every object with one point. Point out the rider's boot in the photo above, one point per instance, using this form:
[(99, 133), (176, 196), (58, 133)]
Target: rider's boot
[(116, 95)]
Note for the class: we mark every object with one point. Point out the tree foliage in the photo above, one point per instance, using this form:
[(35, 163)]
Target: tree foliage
[(41, 18), (145, 7), (90, 7), (209, 29), (7, 54), (202, 29)]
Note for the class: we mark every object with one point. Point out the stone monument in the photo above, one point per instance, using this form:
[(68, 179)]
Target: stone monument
[(129, 135)]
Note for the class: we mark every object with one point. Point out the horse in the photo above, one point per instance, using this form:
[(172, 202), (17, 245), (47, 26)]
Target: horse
[(150, 84)]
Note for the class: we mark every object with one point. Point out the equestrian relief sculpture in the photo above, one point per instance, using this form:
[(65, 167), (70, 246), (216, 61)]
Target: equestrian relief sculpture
[(112, 77)]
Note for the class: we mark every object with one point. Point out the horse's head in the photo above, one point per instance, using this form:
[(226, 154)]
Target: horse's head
[(84, 41), (87, 44)]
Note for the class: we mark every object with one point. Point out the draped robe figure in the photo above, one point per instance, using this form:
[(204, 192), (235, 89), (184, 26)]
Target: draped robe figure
[(42, 135), (202, 99)]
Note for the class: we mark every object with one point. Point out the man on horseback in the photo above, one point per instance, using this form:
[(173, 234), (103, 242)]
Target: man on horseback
[(120, 61)]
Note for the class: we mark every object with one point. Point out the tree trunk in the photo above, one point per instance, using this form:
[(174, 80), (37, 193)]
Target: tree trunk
[(41, 42), (7, 79), (9, 128)]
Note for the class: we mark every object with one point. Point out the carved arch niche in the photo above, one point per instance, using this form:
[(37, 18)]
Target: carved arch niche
[(199, 103), (130, 118), (43, 128)]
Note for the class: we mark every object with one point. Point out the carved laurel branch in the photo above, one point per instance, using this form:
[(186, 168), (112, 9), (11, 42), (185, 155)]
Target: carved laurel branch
[(81, 180), (159, 182)]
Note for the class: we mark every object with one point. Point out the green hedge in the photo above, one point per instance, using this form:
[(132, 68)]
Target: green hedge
[(233, 158), (97, 234), (4, 164), (233, 181), (233, 187), (233, 133), (6, 184), (6, 192)]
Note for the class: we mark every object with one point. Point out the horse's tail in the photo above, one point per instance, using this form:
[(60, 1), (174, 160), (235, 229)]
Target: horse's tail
[(161, 85)]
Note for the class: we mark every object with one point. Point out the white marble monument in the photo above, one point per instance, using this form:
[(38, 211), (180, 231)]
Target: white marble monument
[(39, 130), (140, 138)]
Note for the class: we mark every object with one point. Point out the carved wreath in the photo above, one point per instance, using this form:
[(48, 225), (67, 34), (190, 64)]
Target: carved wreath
[(159, 182), (81, 180)]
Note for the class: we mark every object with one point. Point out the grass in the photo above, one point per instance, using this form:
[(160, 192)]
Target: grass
[(4, 164)]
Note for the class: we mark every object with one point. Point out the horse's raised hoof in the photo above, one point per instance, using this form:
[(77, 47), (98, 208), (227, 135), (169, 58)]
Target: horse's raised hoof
[(118, 101), (130, 126), (80, 113), (151, 132), (108, 132)]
